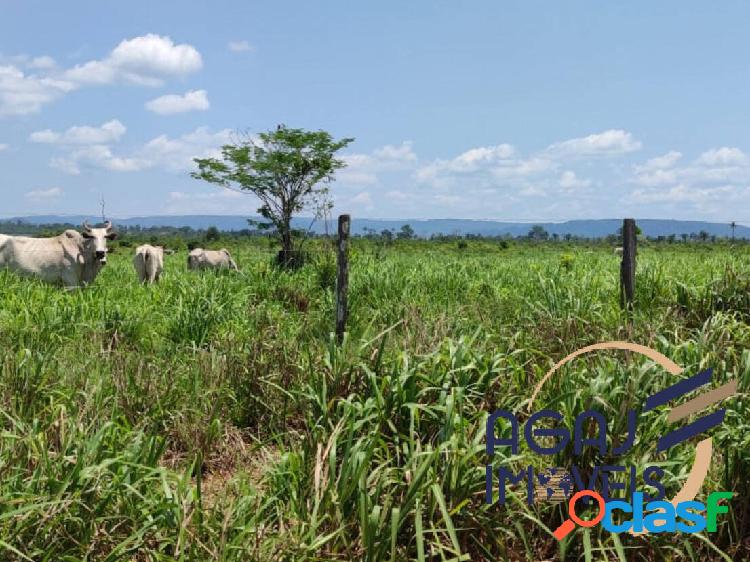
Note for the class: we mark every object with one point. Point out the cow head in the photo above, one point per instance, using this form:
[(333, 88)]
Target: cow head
[(96, 240)]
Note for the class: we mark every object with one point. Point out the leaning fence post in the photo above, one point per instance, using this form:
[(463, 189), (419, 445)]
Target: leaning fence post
[(627, 267), (342, 279)]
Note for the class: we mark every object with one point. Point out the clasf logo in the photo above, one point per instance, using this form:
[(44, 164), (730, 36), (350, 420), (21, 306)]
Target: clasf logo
[(654, 517), (646, 512)]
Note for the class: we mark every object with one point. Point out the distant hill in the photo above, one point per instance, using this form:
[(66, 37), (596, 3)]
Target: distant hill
[(424, 227)]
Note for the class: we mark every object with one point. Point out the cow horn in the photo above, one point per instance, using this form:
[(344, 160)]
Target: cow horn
[(86, 226), (108, 225)]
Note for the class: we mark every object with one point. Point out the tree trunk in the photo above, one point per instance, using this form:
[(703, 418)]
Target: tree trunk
[(286, 234), (288, 257)]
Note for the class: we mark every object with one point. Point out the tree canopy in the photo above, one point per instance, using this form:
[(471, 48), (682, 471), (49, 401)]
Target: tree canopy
[(287, 169)]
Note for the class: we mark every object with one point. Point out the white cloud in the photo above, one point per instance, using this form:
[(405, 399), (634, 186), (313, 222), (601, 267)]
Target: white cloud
[(569, 180), (176, 154), (194, 100), (473, 160), (448, 199), (682, 193), (43, 63), (108, 132), (88, 147), (611, 142), (715, 184), (239, 46), (364, 169), (99, 156), (390, 154), (351, 176), (661, 162), (656, 177), (397, 195), (717, 166), (146, 60), (22, 94), (4, 147), (475, 157), (47, 136), (44, 194), (217, 194), (65, 165), (487, 170), (725, 156), (363, 200), (519, 169), (210, 200)]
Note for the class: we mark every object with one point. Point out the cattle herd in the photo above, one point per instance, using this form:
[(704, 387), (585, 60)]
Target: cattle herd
[(74, 259)]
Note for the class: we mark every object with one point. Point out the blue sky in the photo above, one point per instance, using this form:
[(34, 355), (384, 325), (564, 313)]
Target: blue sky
[(523, 110)]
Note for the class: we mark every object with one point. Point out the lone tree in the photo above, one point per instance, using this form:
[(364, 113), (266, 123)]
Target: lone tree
[(406, 233), (538, 232), (287, 169), (212, 234)]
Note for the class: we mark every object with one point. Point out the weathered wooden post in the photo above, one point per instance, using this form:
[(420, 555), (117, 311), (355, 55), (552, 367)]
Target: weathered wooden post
[(627, 267), (342, 279)]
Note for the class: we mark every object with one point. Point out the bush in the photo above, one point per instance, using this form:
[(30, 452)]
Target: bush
[(325, 272), (567, 261)]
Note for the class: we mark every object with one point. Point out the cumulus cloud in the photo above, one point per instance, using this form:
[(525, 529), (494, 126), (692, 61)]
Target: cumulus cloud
[(682, 193), (99, 156), (194, 100), (216, 194), (489, 168), (363, 199), (43, 63), (239, 46), (44, 194), (176, 154), (660, 162), (108, 132), (476, 168), (724, 156), (715, 184), (448, 199), (146, 60), (391, 154), (397, 195), (473, 160), (715, 166), (608, 143), (22, 94), (162, 152), (569, 180), (210, 200), (364, 169)]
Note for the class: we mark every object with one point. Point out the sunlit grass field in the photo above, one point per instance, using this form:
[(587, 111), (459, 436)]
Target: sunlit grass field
[(212, 417)]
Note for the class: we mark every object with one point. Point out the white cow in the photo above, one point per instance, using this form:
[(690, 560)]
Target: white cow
[(210, 259), (71, 259), (149, 263), (618, 251)]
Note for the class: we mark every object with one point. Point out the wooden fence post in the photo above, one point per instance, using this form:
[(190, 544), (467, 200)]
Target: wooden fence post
[(627, 267), (342, 279)]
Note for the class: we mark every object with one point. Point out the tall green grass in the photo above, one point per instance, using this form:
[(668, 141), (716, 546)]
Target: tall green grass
[(212, 416)]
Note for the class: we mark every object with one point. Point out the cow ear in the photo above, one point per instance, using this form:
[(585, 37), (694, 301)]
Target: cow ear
[(112, 236), (86, 234)]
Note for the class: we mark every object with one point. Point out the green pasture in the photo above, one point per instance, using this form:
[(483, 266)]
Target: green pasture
[(212, 416)]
